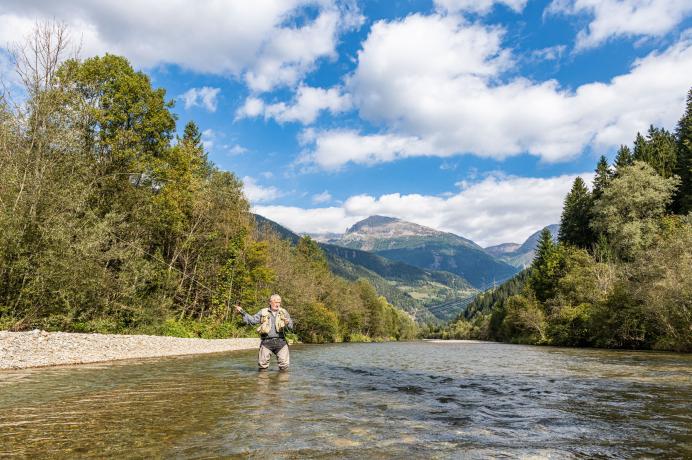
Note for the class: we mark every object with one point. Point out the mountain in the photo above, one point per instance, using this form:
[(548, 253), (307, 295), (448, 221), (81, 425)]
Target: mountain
[(522, 255), (408, 287), (502, 249), (380, 233), (426, 248)]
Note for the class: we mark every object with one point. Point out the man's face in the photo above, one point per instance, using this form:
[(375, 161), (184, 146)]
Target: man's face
[(275, 304)]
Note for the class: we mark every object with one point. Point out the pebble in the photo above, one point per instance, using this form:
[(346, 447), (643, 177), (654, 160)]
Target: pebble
[(38, 348)]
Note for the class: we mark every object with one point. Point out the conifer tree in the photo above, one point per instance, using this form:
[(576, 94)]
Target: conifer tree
[(658, 150), (545, 266), (623, 158), (682, 203), (192, 135), (575, 226), (603, 176)]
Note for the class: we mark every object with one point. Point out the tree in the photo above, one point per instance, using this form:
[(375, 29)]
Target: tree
[(628, 210), (658, 150), (576, 216), (546, 267), (603, 176), (682, 202), (623, 158)]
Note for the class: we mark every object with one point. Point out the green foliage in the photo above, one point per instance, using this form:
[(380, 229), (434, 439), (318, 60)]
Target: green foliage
[(623, 158), (575, 222), (107, 225), (682, 203), (547, 267), (628, 209), (603, 176), (658, 150), (632, 288)]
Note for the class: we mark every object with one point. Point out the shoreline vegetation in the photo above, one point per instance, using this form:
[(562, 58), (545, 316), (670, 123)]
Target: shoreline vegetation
[(112, 221), (620, 274)]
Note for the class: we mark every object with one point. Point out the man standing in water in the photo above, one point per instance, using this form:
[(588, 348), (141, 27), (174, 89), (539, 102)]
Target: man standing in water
[(273, 322)]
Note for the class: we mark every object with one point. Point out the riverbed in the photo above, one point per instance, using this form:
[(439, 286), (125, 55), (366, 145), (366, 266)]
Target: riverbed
[(391, 400)]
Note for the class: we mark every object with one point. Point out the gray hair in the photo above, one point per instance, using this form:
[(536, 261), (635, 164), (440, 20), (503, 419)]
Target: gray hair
[(275, 297)]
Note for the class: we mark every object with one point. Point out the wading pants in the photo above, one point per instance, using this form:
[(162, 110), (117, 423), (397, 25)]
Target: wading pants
[(279, 347)]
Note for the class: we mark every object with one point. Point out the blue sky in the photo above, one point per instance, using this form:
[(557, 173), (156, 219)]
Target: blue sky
[(468, 116)]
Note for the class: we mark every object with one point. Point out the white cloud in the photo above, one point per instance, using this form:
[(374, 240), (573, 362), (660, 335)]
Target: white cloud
[(331, 149), (268, 43), (622, 18), (208, 137), (306, 106), (551, 53), (201, 97), (237, 149), (435, 87), (256, 193), (477, 6), (252, 107), (322, 197), (495, 210)]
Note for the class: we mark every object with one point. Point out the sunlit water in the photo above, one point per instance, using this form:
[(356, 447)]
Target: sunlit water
[(401, 400)]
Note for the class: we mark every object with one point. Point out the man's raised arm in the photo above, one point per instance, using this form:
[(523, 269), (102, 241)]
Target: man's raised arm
[(247, 318)]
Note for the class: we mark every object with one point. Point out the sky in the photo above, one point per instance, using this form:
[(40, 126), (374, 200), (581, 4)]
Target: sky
[(469, 116)]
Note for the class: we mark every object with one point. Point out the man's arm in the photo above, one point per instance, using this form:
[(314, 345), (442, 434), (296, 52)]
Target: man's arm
[(289, 321), (247, 318)]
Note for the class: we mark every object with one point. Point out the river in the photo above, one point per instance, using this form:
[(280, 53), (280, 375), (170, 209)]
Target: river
[(391, 400)]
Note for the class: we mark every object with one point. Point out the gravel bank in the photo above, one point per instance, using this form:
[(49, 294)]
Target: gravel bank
[(40, 348)]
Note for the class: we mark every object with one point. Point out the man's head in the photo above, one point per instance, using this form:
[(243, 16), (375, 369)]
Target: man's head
[(275, 302)]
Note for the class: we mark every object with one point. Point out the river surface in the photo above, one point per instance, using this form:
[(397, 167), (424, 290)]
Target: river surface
[(392, 400)]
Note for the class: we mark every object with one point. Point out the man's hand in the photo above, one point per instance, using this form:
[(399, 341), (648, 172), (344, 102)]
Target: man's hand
[(238, 308)]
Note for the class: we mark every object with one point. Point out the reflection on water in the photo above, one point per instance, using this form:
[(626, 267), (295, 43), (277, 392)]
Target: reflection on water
[(438, 400)]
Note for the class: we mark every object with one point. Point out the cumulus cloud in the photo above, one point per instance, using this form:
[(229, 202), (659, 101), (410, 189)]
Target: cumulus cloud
[(204, 97), (257, 193), (305, 107), (493, 210), (622, 18), (268, 43), (477, 6), (437, 86), (331, 149)]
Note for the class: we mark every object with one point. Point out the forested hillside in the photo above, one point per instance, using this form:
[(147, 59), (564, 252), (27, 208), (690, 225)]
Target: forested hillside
[(620, 275), (409, 288), (111, 222)]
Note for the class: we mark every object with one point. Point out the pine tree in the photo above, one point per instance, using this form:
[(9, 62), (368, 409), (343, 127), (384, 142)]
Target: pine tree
[(641, 148), (192, 135), (545, 266), (623, 158), (658, 150), (682, 202), (575, 228), (603, 176)]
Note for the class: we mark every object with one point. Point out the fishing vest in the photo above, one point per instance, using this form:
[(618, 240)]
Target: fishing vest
[(265, 322)]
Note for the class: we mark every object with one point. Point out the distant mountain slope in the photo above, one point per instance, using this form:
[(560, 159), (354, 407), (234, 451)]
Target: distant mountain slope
[(476, 266), (522, 256), (408, 287), (379, 233), (501, 249), (425, 248)]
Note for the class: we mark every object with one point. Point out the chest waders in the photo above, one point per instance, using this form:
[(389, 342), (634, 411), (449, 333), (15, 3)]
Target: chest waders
[(273, 343)]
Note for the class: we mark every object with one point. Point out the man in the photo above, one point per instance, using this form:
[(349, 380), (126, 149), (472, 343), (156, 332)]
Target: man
[(273, 322)]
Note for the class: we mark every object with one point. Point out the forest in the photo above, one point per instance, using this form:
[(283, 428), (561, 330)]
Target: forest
[(620, 275), (110, 221)]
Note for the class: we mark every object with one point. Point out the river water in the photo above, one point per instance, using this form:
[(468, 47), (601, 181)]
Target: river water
[(392, 400)]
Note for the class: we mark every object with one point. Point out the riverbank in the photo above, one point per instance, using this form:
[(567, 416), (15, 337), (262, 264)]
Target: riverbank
[(36, 348)]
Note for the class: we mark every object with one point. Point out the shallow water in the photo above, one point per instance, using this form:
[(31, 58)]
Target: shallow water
[(401, 400)]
